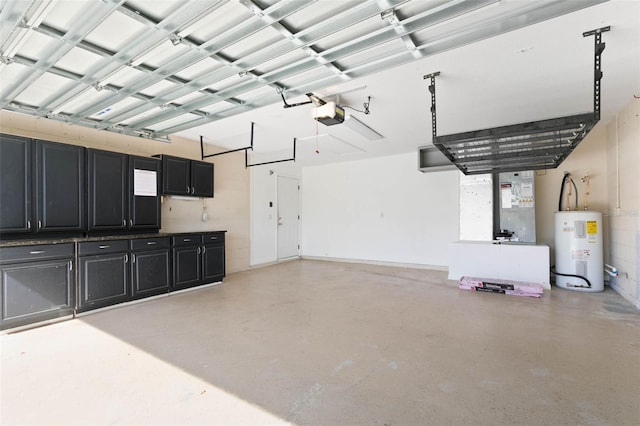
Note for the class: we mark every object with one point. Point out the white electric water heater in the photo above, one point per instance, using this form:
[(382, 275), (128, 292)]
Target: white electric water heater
[(579, 250)]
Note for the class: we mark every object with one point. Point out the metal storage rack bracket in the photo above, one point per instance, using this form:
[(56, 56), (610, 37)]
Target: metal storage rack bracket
[(202, 156), (246, 155), (533, 145)]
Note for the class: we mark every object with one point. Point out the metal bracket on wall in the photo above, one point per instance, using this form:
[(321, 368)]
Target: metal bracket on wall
[(533, 145), (432, 90), (597, 70)]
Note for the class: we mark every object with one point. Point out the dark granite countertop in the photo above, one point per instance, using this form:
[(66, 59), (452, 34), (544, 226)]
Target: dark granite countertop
[(53, 240)]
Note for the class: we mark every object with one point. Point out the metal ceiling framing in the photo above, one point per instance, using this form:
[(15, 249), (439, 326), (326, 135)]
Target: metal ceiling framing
[(535, 145), (188, 63)]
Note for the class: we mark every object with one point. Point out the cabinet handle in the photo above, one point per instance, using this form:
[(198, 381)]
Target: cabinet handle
[(124, 223), (193, 190), (126, 258), (130, 223), (150, 243), (28, 224), (186, 240), (70, 265), (213, 238), (204, 249), (199, 250), (133, 258), (36, 252), (39, 224), (103, 247), (188, 189)]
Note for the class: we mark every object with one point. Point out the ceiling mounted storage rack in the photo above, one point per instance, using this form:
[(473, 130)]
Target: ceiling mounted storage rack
[(246, 154), (533, 145)]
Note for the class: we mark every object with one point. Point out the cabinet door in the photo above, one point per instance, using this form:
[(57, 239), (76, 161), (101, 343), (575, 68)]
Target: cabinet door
[(107, 191), (103, 280), (176, 175), (59, 186), (144, 193), (201, 179), (187, 266), (213, 263), (15, 184), (150, 273), (35, 291)]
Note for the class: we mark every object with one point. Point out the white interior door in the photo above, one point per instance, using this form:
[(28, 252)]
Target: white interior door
[(288, 217)]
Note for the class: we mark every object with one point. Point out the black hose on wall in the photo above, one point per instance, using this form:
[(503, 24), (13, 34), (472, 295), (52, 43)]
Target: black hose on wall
[(566, 176)]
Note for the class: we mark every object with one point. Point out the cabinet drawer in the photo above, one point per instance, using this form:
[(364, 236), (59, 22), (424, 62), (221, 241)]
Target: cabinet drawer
[(43, 251), (186, 240), (213, 238), (102, 247), (150, 243)]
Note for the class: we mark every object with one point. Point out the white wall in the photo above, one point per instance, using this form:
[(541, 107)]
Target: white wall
[(623, 159), (380, 209)]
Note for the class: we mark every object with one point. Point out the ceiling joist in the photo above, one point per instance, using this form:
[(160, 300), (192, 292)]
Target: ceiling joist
[(183, 64)]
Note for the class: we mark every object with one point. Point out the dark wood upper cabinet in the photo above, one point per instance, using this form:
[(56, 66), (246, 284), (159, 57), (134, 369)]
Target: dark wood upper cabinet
[(41, 186), (181, 176), (176, 175), (144, 184), (124, 191), (59, 186), (107, 190), (201, 179), (15, 184)]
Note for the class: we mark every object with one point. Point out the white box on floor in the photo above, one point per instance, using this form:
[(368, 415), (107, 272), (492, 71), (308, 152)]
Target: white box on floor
[(518, 262)]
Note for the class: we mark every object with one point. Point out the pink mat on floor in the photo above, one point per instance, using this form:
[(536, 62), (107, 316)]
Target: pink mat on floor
[(490, 285)]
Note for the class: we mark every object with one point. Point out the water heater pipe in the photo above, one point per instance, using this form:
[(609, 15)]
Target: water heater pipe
[(586, 180), (569, 181)]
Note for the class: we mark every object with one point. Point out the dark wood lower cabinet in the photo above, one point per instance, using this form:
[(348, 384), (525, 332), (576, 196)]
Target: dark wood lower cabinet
[(187, 266), (213, 257), (150, 267), (103, 280), (198, 259), (36, 283), (39, 282)]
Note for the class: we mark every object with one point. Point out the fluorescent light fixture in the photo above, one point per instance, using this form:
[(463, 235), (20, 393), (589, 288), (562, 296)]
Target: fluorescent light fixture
[(361, 128)]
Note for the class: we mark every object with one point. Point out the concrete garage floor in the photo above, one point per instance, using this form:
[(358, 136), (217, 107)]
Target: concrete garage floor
[(310, 342)]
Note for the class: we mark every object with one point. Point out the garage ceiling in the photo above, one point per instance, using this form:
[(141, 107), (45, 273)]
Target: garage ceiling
[(157, 68)]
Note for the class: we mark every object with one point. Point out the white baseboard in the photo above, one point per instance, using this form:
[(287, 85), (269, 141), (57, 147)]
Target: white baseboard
[(379, 263), (36, 325), (271, 263), (635, 302)]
